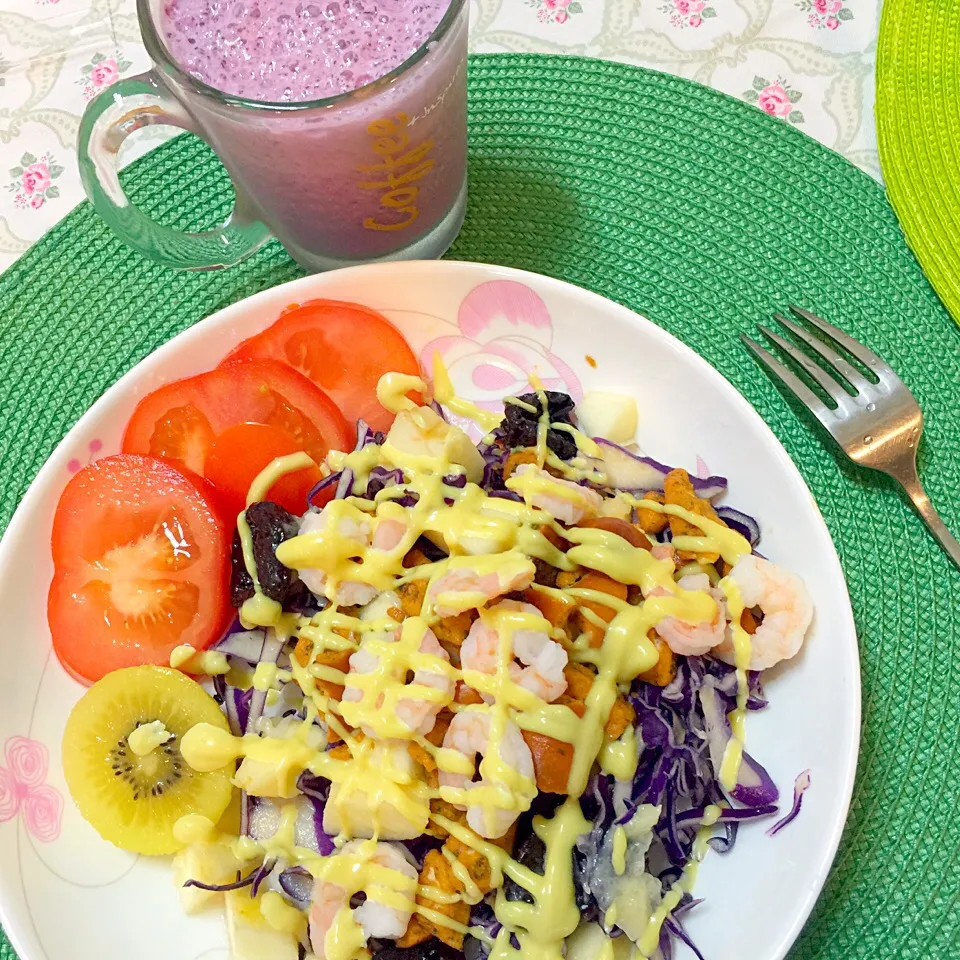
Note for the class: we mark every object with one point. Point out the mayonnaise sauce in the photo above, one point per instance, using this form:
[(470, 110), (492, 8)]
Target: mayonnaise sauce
[(377, 791)]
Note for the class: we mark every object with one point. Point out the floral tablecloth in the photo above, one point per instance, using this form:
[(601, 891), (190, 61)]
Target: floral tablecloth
[(808, 62)]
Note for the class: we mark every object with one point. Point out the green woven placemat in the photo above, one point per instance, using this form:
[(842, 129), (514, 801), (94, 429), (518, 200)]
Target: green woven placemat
[(704, 215), (918, 129)]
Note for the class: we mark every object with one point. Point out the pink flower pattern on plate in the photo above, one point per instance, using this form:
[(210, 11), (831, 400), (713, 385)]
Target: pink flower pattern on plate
[(32, 181), (555, 11), (23, 791), (687, 13), (778, 99), (93, 448), (825, 14), (506, 334)]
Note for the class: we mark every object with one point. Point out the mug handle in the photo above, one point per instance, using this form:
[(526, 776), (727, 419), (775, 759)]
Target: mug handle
[(109, 119)]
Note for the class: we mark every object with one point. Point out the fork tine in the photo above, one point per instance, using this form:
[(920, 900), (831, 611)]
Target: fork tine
[(867, 357), (791, 381), (837, 362), (833, 389)]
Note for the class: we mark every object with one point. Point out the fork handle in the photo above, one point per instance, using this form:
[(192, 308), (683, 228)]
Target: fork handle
[(921, 502)]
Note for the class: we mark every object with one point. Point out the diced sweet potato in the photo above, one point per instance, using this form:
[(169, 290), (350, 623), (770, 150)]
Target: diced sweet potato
[(552, 760), (454, 630), (416, 933), (421, 756), (466, 695), (527, 455), (579, 680), (436, 735), (621, 528), (447, 810), (748, 621), (678, 489), (415, 558), (476, 864), (568, 578), (665, 669), (556, 607), (621, 716), (335, 659), (577, 706), (302, 651), (438, 874), (411, 597), (651, 521), (600, 582), (554, 538)]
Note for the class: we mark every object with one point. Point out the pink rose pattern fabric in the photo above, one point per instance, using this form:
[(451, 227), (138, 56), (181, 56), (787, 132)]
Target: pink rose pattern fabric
[(506, 334), (24, 792), (776, 98), (825, 14), (555, 11), (100, 72), (32, 181), (827, 48), (687, 13)]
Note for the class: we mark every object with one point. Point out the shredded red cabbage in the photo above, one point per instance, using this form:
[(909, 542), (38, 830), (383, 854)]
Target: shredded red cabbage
[(630, 471), (742, 522), (800, 787), (297, 884), (317, 790)]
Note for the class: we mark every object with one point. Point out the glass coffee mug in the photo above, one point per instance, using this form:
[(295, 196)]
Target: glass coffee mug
[(378, 173)]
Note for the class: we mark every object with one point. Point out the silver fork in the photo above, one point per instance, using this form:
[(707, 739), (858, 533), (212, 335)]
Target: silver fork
[(878, 427)]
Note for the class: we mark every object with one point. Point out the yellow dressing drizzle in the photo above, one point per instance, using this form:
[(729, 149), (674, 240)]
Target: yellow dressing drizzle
[(733, 752), (146, 737), (377, 791), (210, 663), (392, 390), (619, 854), (620, 757), (444, 393), (273, 471), (650, 939)]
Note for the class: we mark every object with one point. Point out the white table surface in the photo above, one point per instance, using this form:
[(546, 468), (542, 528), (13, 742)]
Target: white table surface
[(809, 62)]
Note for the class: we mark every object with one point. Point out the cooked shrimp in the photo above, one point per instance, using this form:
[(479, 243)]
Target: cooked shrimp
[(374, 916), (417, 713), (565, 500), (388, 534), (469, 582), (347, 593), (664, 551), (787, 611), (694, 639), (507, 772), (543, 659)]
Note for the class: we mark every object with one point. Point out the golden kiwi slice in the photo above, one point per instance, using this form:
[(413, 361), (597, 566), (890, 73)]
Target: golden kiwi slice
[(134, 792)]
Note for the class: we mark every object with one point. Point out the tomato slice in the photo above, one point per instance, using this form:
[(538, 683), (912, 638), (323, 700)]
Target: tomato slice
[(141, 564), (344, 348), (241, 452), (183, 421)]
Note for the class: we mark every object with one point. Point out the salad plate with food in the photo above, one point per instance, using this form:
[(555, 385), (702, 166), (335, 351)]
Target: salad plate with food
[(423, 611)]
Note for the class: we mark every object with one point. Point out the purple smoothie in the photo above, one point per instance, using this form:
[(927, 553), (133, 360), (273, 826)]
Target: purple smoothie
[(295, 50), (380, 173)]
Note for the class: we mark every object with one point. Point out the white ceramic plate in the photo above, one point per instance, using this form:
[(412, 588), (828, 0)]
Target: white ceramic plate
[(65, 894)]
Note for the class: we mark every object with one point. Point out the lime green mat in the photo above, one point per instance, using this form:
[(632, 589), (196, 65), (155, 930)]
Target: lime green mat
[(705, 215), (918, 129)]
